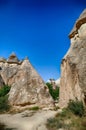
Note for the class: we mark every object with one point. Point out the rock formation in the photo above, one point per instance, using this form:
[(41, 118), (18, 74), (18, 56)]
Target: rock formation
[(13, 59), (27, 87), (1, 82), (73, 67)]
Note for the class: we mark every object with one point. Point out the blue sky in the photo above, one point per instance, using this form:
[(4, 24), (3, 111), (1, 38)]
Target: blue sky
[(38, 29)]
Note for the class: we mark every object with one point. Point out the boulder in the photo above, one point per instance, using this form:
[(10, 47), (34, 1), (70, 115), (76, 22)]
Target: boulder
[(73, 67)]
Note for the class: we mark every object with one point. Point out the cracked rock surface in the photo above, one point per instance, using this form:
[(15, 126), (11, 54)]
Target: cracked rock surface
[(27, 87)]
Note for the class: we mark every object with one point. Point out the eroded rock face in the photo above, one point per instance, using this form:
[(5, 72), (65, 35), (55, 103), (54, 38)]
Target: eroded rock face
[(12, 59), (1, 82), (27, 87), (73, 67)]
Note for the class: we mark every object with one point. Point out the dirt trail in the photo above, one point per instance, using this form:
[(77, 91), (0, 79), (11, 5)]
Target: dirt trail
[(27, 120)]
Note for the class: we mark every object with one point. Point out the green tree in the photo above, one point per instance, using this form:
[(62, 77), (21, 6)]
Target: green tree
[(53, 92), (4, 104)]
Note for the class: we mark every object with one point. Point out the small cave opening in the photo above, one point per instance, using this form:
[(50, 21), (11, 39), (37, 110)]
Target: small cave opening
[(0, 68)]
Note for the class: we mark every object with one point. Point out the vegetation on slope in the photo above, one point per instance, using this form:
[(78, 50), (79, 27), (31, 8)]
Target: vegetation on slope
[(71, 118), (4, 90), (53, 92), (4, 104)]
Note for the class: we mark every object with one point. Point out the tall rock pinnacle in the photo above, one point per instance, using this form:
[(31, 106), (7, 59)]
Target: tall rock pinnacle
[(73, 67), (27, 87)]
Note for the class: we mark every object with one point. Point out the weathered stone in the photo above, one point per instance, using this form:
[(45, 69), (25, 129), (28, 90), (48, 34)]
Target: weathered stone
[(79, 22), (1, 82), (13, 58), (73, 67), (8, 71), (27, 87), (2, 59)]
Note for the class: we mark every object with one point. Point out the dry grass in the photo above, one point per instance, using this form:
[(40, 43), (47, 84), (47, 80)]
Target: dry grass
[(67, 121)]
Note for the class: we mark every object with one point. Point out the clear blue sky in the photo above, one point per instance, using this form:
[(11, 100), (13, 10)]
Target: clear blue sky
[(38, 29)]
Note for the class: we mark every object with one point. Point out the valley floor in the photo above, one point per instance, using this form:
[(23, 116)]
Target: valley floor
[(27, 120)]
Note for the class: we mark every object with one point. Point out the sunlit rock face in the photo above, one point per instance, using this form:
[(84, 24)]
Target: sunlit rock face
[(73, 67), (27, 87)]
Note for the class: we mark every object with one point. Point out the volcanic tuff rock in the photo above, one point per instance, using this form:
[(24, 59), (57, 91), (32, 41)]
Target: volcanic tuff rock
[(27, 87), (73, 67), (1, 82)]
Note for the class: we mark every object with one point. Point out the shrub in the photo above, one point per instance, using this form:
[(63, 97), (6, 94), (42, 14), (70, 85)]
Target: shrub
[(53, 92), (35, 108), (76, 107), (4, 105), (67, 120), (4, 90), (57, 124)]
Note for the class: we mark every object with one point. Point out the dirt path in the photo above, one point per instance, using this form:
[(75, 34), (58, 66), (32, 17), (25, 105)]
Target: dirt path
[(27, 120)]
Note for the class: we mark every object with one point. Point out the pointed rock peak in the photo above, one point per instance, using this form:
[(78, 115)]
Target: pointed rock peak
[(83, 14), (13, 55), (25, 62), (2, 59), (13, 58), (26, 58), (81, 20)]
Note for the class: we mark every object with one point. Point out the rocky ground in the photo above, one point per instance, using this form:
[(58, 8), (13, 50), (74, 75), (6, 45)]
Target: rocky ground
[(27, 120)]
